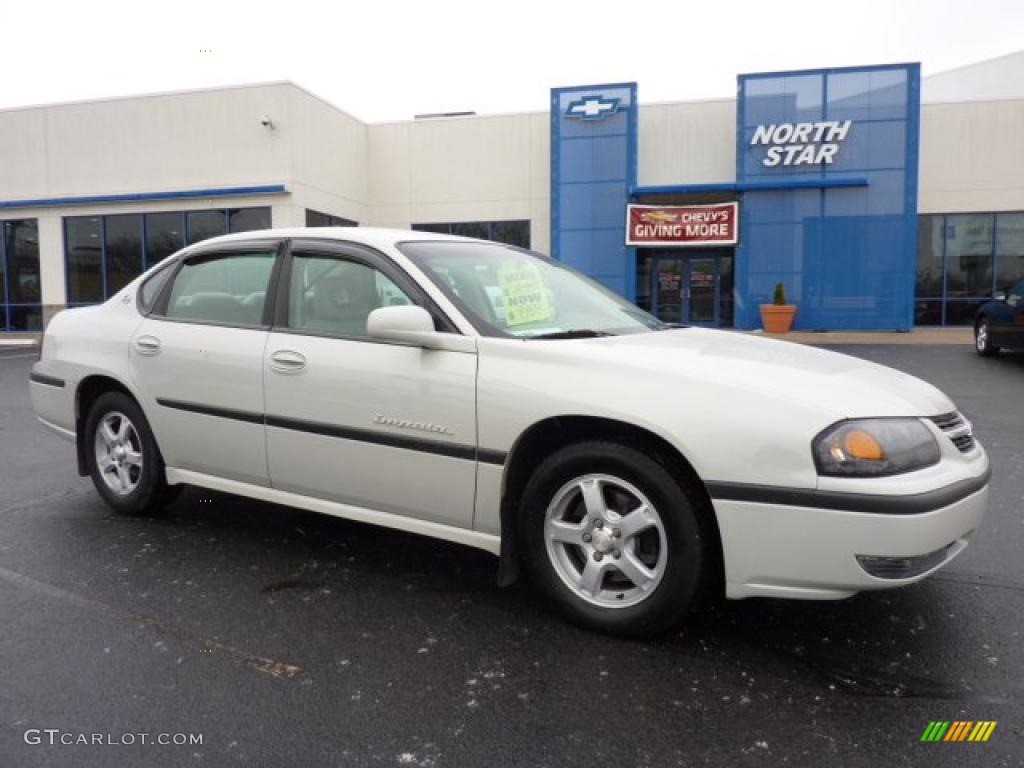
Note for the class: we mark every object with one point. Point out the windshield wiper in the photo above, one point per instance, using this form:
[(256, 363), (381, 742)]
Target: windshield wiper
[(575, 333)]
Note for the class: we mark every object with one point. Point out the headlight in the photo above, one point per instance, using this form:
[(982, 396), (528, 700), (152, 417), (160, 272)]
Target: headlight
[(873, 447)]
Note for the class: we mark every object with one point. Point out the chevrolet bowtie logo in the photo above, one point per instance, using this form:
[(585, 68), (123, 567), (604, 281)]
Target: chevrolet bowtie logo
[(592, 108)]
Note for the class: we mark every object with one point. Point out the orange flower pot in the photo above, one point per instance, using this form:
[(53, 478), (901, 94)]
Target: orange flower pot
[(777, 318)]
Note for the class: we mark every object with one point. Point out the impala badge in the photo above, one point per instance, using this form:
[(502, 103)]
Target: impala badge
[(419, 426)]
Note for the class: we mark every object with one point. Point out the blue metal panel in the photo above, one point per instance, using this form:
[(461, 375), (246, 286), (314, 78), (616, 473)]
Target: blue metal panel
[(593, 167), (841, 236), (43, 202), (673, 189)]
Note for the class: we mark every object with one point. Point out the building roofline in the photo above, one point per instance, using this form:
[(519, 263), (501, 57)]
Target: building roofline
[(180, 92), (970, 64)]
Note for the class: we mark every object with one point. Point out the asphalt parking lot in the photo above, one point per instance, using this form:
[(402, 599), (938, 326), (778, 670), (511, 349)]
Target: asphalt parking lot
[(288, 638)]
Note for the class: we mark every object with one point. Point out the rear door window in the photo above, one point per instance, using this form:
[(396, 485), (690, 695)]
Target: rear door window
[(222, 289)]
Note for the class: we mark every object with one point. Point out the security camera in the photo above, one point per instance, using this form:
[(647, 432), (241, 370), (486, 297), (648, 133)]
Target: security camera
[(266, 122)]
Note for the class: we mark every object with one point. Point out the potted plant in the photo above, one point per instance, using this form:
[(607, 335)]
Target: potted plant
[(777, 317)]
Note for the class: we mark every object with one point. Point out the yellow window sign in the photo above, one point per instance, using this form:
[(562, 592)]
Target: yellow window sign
[(524, 294)]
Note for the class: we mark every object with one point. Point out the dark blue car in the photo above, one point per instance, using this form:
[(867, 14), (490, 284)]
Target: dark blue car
[(1000, 322)]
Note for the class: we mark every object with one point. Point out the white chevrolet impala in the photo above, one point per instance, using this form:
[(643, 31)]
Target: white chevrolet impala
[(483, 394)]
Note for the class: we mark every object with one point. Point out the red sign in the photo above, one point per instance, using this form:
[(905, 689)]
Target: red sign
[(682, 225)]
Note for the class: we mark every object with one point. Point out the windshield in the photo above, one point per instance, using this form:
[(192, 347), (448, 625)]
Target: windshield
[(506, 291)]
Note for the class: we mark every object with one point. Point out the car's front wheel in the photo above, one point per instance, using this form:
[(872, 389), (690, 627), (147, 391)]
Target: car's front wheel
[(122, 456), (983, 339), (613, 540)]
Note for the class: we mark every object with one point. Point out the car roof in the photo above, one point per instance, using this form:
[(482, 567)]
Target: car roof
[(373, 236)]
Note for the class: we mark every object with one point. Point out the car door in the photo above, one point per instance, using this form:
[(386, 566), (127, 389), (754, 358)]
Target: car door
[(197, 360), (381, 426)]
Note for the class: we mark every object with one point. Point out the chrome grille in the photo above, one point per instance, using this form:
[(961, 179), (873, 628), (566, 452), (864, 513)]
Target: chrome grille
[(957, 429)]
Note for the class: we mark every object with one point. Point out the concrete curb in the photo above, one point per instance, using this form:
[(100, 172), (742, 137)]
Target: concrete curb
[(916, 337)]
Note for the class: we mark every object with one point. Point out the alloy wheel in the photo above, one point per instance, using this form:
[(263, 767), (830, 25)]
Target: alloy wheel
[(118, 451), (606, 541)]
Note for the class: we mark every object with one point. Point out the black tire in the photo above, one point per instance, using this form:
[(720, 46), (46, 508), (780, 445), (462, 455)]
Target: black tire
[(687, 573), (983, 339), (151, 491)]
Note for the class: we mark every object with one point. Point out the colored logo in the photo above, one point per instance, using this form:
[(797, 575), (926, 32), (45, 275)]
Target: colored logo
[(592, 108), (958, 730), (658, 217)]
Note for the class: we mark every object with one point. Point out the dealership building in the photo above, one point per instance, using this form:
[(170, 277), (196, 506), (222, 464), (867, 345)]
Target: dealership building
[(880, 200)]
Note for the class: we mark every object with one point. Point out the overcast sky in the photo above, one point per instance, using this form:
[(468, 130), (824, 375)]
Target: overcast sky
[(384, 60)]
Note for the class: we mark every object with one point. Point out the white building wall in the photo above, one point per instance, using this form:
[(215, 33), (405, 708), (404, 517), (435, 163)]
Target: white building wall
[(180, 141), (971, 157), (329, 160), (146, 144), (687, 143), (995, 79), (474, 168)]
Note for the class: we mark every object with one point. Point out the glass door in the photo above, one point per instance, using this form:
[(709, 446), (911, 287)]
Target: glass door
[(700, 293), (685, 289), (668, 289)]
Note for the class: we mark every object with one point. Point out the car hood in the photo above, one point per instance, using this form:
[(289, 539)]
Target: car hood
[(832, 383)]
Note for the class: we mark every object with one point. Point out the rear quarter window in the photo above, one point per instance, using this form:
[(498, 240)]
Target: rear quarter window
[(151, 288)]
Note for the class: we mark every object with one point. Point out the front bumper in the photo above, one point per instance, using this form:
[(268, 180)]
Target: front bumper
[(775, 550)]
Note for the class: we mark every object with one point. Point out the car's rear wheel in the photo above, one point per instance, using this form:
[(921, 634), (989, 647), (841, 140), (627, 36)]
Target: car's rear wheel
[(613, 540), (983, 339), (122, 456)]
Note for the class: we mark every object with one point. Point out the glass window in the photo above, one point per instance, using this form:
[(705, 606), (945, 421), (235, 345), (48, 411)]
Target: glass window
[(477, 229), (643, 280), (334, 295), (318, 219), (725, 291), (506, 291), (152, 287), (165, 234), (248, 219), (969, 240), (962, 312), (203, 225), (510, 232), (22, 263), (3, 274), (1009, 250), (440, 229), (929, 256), (228, 289), (20, 290), (978, 254), (123, 240), (84, 243)]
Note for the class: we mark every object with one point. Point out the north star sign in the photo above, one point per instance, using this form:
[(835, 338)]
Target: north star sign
[(592, 107), (801, 143)]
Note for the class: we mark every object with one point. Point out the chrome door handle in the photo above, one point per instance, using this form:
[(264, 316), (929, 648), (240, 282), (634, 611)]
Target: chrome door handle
[(287, 361), (147, 345)]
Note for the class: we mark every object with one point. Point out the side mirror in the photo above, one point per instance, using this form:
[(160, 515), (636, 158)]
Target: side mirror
[(413, 326), (404, 325)]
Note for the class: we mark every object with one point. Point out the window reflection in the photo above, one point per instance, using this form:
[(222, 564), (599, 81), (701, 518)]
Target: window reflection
[(962, 260), (508, 232), (319, 219), (105, 253), (20, 287)]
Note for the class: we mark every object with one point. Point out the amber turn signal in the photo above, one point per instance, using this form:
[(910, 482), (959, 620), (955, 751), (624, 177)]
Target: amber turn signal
[(858, 444)]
